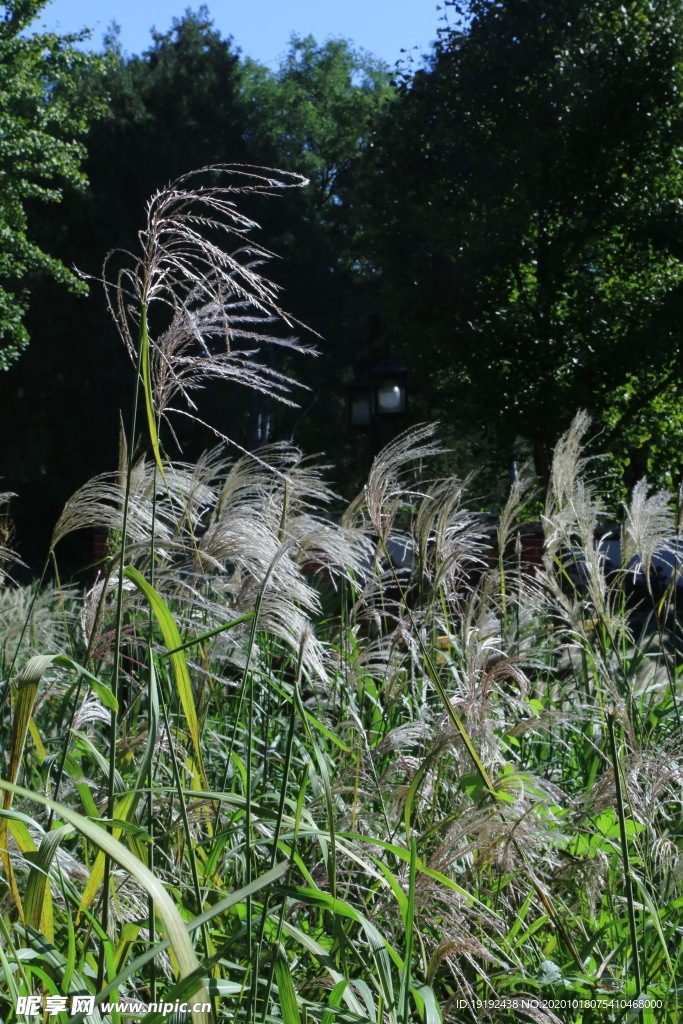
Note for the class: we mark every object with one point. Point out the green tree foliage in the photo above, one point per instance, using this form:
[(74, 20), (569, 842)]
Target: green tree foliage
[(315, 113), (167, 111), (530, 220), (316, 110), (188, 101), (171, 109), (45, 107)]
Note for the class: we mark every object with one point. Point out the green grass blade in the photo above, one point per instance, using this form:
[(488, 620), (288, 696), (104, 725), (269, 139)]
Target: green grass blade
[(145, 369), (173, 643), (165, 907), (404, 998), (212, 632), (285, 986), (38, 898)]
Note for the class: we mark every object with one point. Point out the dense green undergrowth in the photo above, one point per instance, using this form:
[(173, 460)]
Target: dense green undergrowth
[(267, 764)]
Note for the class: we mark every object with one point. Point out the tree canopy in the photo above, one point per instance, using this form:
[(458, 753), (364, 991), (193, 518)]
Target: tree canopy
[(190, 100), (529, 234), (507, 218), (316, 109), (45, 109), (315, 113)]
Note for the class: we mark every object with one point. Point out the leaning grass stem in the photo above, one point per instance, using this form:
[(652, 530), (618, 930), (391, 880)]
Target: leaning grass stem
[(152, 697), (288, 882), (116, 669), (404, 998), (289, 745), (248, 853), (186, 823), (247, 683), (628, 881), (65, 750)]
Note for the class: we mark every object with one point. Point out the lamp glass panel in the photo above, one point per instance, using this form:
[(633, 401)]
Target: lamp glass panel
[(360, 410), (390, 396)]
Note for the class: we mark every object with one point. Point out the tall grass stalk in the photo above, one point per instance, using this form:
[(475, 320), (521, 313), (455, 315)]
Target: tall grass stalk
[(116, 667), (623, 839)]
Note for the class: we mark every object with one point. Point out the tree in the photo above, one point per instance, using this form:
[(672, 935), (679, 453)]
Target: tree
[(316, 110), (315, 114), (172, 109), (44, 110), (188, 101), (530, 221), (167, 111)]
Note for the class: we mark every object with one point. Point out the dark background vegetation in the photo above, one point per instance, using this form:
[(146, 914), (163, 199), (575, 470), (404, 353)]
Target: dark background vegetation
[(506, 219)]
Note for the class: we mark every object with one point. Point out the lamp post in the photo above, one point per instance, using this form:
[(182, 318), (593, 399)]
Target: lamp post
[(380, 397)]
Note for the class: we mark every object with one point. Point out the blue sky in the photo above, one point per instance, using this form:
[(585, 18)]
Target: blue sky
[(261, 28)]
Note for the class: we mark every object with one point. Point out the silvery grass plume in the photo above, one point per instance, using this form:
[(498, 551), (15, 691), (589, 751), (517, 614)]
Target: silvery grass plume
[(572, 513), (99, 503), (226, 536), (199, 311), (575, 565), (8, 556), (379, 511), (450, 539), (50, 614), (568, 465), (387, 490), (295, 499), (268, 533), (649, 530)]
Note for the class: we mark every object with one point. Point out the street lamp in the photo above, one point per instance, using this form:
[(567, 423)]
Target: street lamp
[(389, 392), (380, 396)]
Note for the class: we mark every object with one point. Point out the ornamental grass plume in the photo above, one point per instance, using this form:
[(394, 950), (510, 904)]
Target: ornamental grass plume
[(8, 556), (227, 536), (190, 311), (386, 490), (649, 530)]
